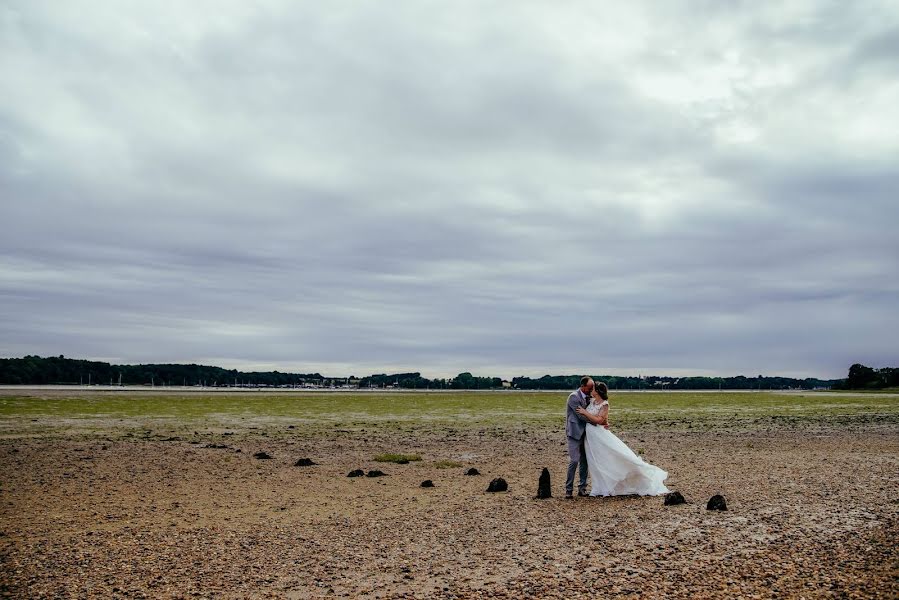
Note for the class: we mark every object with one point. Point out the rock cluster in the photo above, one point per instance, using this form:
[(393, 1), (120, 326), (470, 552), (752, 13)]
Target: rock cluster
[(356, 473), (375, 473), (305, 462)]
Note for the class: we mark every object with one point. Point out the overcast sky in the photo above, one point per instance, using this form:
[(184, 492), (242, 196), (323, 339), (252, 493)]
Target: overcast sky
[(507, 188)]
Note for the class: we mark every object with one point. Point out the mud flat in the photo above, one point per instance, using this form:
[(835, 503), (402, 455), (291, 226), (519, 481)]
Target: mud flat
[(131, 497)]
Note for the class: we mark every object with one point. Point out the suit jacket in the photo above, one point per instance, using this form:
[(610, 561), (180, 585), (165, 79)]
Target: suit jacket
[(575, 424)]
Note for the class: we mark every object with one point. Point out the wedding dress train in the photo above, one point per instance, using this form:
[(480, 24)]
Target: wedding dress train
[(615, 469)]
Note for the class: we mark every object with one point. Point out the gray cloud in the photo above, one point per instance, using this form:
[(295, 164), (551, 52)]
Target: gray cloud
[(529, 189)]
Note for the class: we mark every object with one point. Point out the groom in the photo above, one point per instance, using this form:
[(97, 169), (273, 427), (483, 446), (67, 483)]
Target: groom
[(575, 430)]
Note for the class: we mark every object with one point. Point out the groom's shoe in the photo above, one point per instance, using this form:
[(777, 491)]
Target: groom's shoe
[(582, 494), (569, 496)]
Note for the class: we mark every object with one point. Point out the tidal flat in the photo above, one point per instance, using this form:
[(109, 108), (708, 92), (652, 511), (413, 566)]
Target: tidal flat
[(157, 494)]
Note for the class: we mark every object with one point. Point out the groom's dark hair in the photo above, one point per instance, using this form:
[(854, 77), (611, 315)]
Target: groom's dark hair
[(585, 380)]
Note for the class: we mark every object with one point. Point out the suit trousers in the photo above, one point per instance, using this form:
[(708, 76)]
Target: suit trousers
[(577, 455)]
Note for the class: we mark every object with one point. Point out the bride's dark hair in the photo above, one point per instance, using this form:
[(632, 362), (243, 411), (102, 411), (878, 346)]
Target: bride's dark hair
[(603, 390)]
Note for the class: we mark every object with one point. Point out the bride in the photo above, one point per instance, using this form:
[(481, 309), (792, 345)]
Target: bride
[(614, 468)]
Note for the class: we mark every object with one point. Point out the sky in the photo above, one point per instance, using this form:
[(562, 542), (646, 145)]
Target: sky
[(507, 188)]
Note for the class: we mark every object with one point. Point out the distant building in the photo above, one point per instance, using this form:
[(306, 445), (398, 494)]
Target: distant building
[(507, 384)]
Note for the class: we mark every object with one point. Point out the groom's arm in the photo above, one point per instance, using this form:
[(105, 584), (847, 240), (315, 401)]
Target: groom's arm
[(601, 419), (593, 419), (573, 404)]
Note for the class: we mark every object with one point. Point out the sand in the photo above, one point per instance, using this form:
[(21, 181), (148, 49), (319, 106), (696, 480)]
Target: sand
[(122, 512)]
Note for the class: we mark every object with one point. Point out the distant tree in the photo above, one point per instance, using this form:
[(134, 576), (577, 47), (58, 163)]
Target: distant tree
[(860, 376)]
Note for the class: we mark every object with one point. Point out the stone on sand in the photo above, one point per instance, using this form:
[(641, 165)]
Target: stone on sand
[(498, 485), (544, 489), (717, 502), (674, 498)]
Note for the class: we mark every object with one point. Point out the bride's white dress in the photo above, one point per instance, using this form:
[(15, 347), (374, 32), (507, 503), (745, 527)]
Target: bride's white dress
[(615, 469)]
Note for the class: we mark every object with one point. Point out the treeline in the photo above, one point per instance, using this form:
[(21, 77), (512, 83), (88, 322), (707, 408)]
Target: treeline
[(565, 382), (867, 378), (414, 381), (35, 370)]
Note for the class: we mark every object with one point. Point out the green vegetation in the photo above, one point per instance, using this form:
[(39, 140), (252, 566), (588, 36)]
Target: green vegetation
[(397, 458), (359, 409), (865, 378), (35, 370), (661, 383), (447, 464)]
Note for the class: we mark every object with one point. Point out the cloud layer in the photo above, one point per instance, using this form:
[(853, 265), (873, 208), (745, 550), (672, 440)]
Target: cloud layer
[(532, 188)]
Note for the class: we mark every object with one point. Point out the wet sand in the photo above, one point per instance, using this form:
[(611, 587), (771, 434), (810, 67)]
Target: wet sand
[(143, 509)]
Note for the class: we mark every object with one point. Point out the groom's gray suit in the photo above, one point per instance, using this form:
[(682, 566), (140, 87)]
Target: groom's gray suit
[(576, 430)]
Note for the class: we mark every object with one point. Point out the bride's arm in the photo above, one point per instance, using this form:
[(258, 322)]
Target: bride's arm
[(604, 415), (599, 419)]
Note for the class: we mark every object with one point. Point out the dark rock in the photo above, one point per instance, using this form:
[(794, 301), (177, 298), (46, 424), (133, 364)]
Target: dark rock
[(291, 427), (375, 473), (402, 462), (717, 502), (261, 455), (427, 483), (674, 498), (305, 462), (216, 446), (472, 471), (544, 490), (356, 473), (498, 485)]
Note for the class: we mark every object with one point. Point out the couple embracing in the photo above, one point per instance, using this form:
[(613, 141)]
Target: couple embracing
[(615, 469)]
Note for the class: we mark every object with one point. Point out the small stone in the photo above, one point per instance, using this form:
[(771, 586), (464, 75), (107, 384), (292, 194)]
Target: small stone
[(717, 502), (544, 490), (472, 471), (427, 483), (375, 473), (356, 473), (674, 498), (305, 462), (498, 485), (262, 455)]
